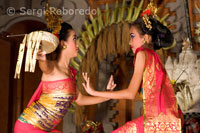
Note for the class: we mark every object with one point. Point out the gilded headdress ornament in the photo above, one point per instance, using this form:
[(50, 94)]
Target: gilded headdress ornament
[(36, 40), (54, 20), (151, 10)]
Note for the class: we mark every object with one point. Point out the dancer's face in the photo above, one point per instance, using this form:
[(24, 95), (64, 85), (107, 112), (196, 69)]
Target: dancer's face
[(72, 47), (136, 40)]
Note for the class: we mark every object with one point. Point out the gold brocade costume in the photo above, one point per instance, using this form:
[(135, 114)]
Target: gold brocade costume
[(159, 101), (54, 101)]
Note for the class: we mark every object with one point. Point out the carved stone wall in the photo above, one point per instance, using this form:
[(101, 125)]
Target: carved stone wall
[(74, 12), (178, 21), (186, 68)]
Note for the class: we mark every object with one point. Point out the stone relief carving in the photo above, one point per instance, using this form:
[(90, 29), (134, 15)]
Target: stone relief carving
[(74, 11), (104, 110), (179, 21), (188, 69)]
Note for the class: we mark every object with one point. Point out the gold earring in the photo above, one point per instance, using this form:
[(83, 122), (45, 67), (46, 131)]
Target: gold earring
[(64, 46), (144, 41)]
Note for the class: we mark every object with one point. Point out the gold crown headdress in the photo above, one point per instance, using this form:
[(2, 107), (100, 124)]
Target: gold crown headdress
[(54, 20), (151, 10), (39, 39)]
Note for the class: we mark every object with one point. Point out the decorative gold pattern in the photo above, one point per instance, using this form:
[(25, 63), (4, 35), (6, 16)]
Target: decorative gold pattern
[(129, 128), (147, 22), (35, 50), (151, 10), (20, 58), (121, 16), (53, 104), (54, 20), (49, 41), (95, 127), (34, 40), (28, 53), (163, 116), (162, 123)]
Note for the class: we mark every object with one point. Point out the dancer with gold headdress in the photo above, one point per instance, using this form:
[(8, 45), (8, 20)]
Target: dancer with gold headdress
[(57, 89), (160, 107)]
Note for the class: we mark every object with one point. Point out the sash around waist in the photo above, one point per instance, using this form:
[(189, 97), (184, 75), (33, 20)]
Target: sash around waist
[(48, 111)]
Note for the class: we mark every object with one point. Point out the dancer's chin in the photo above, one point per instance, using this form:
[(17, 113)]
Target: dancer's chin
[(75, 55), (133, 50)]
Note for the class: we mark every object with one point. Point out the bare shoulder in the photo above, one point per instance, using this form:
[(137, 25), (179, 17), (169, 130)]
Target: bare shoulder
[(140, 56), (140, 61)]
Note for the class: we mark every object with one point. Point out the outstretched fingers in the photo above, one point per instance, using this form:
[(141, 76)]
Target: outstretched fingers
[(111, 84), (84, 85), (110, 80), (85, 76)]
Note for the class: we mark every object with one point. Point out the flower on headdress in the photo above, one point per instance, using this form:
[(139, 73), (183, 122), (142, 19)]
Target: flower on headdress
[(146, 12), (57, 35), (151, 10)]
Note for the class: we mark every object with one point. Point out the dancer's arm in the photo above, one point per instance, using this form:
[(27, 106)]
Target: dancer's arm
[(89, 100), (128, 93), (45, 65)]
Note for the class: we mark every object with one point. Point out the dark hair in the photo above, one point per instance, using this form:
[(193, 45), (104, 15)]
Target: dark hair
[(161, 35), (64, 34)]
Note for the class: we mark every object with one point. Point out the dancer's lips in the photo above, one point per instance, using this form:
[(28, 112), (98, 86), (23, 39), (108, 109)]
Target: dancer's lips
[(131, 46)]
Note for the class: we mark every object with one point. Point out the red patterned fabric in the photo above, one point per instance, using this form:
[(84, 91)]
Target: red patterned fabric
[(48, 105), (159, 102)]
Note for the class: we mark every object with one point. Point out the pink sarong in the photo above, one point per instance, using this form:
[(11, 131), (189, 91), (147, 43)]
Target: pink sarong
[(159, 101)]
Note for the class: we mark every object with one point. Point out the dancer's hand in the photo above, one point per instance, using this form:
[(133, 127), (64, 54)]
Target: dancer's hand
[(41, 55), (86, 85), (111, 84)]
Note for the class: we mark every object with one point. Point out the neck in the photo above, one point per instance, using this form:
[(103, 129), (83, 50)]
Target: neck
[(63, 61), (149, 46)]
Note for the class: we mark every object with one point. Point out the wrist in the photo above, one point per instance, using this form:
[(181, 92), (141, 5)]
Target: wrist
[(94, 92), (42, 60)]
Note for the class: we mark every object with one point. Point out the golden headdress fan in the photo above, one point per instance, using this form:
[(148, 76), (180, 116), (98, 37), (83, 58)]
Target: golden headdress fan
[(47, 41)]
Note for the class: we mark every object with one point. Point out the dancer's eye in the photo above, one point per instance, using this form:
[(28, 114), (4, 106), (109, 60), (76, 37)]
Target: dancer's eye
[(132, 35), (75, 38)]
